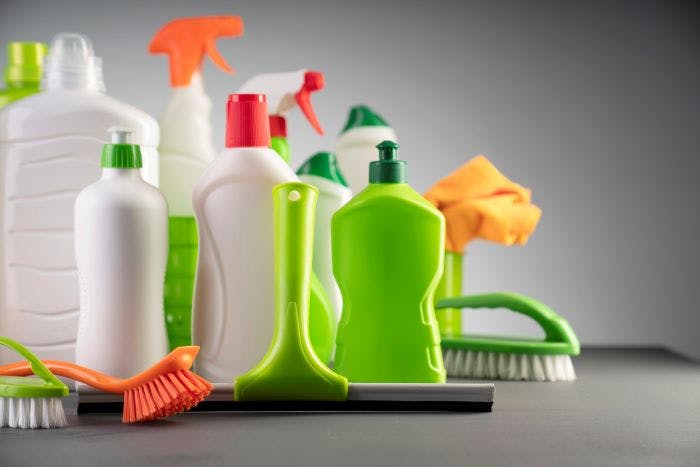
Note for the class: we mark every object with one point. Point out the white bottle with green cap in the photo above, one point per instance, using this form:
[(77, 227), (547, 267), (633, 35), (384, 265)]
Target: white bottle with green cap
[(321, 170), (357, 144), (121, 248)]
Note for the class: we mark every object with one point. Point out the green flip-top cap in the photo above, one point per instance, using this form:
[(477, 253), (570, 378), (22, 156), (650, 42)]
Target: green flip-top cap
[(24, 62), (120, 153), (323, 164), (388, 169), (361, 115)]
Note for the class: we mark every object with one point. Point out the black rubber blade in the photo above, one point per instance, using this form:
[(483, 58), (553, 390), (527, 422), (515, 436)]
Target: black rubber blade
[(309, 406)]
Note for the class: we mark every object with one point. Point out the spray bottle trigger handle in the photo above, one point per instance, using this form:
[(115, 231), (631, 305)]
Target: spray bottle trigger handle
[(216, 57), (313, 81)]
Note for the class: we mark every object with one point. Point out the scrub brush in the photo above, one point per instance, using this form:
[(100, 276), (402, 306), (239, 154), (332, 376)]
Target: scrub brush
[(167, 388), (511, 358), (31, 402)]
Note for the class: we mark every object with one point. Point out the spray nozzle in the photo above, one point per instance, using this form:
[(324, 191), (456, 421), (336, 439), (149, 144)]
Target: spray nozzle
[(286, 90), (187, 40)]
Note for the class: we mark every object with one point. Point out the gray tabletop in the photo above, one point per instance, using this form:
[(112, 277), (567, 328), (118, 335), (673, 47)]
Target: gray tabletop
[(628, 407)]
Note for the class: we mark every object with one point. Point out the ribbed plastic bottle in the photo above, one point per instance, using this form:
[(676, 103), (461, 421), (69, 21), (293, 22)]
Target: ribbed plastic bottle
[(357, 144), (121, 248), (50, 147), (23, 70), (233, 310), (388, 257), (321, 170), (185, 150)]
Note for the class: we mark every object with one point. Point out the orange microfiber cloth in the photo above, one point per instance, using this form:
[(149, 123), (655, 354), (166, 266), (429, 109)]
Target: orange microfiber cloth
[(478, 201)]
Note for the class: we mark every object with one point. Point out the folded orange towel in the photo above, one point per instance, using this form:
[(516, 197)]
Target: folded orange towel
[(478, 201)]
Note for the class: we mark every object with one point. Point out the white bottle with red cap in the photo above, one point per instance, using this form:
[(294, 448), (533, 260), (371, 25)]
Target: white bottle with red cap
[(233, 310)]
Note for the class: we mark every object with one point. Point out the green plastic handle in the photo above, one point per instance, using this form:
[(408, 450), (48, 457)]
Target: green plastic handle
[(556, 329), (291, 370), (39, 369)]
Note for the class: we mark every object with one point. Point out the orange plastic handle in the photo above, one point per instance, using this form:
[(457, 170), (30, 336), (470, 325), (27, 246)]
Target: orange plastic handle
[(179, 359)]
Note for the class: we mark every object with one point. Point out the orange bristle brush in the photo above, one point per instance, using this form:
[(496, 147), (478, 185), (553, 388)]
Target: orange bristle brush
[(167, 388)]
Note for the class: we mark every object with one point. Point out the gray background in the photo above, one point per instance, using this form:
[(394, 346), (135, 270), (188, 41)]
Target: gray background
[(594, 105)]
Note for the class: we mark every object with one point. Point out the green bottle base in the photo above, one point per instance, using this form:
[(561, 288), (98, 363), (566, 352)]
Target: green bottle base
[(179, 280)]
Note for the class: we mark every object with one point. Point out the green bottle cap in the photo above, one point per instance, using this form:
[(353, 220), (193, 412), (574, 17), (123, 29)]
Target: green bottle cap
[(120, 154), (24, 61), (388, 169), (323, 164), (361, 115)]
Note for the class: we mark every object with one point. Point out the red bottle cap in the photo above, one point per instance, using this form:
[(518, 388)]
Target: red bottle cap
[(247, 124), (278, 126)]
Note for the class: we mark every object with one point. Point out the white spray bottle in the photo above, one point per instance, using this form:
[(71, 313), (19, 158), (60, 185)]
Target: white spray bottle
[(50, 147), (185, 150), (121, 248), (284, 91)]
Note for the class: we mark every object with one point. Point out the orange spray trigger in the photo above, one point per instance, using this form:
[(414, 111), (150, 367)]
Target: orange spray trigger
[(187, 40), (313, 81)]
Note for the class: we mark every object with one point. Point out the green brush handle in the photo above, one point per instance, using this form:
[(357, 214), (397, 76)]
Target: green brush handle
[(38, 368), (556, 329), (291, 370)]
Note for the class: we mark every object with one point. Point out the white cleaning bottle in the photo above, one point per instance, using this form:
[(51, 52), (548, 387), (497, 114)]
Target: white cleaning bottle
[(321, 170), (185, 150), (357, 144), (121, 248), (49, 150), (233, 312)]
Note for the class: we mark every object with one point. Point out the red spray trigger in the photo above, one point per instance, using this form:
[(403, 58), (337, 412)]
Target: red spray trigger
[(313, 81)]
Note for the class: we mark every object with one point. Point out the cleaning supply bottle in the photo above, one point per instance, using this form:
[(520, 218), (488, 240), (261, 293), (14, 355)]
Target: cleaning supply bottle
[(185, 150), (49, 150), (321, 171), (387, 257), (233, 316), (356, 146), (121, 248), (23, 70), (284, 91)]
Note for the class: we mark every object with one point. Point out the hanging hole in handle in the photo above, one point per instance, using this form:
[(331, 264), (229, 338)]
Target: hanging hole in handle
[(294, 195)]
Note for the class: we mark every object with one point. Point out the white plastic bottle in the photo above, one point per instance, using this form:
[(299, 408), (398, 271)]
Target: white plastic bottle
[(50, 146), (357, 144), (121, 248), (233, 312), (321, 170)]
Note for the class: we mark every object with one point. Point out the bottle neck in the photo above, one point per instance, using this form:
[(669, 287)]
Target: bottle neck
[(74, 78), (112, 173)]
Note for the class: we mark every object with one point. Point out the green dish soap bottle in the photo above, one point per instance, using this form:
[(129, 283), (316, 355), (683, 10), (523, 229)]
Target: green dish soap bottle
[(388, 244), (23, 70)]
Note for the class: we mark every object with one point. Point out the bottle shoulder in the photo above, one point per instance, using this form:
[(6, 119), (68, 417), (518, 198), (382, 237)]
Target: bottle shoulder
[(385, 197), (246, 166), (122, 193), (59, 113)]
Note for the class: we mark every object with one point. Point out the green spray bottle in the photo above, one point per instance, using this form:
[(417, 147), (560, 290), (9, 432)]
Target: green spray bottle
[(388, 244), (23, 70)]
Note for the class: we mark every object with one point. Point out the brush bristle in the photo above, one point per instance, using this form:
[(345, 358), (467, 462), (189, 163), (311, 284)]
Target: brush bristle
[(166, 395), (32, 412), (514, 367)]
